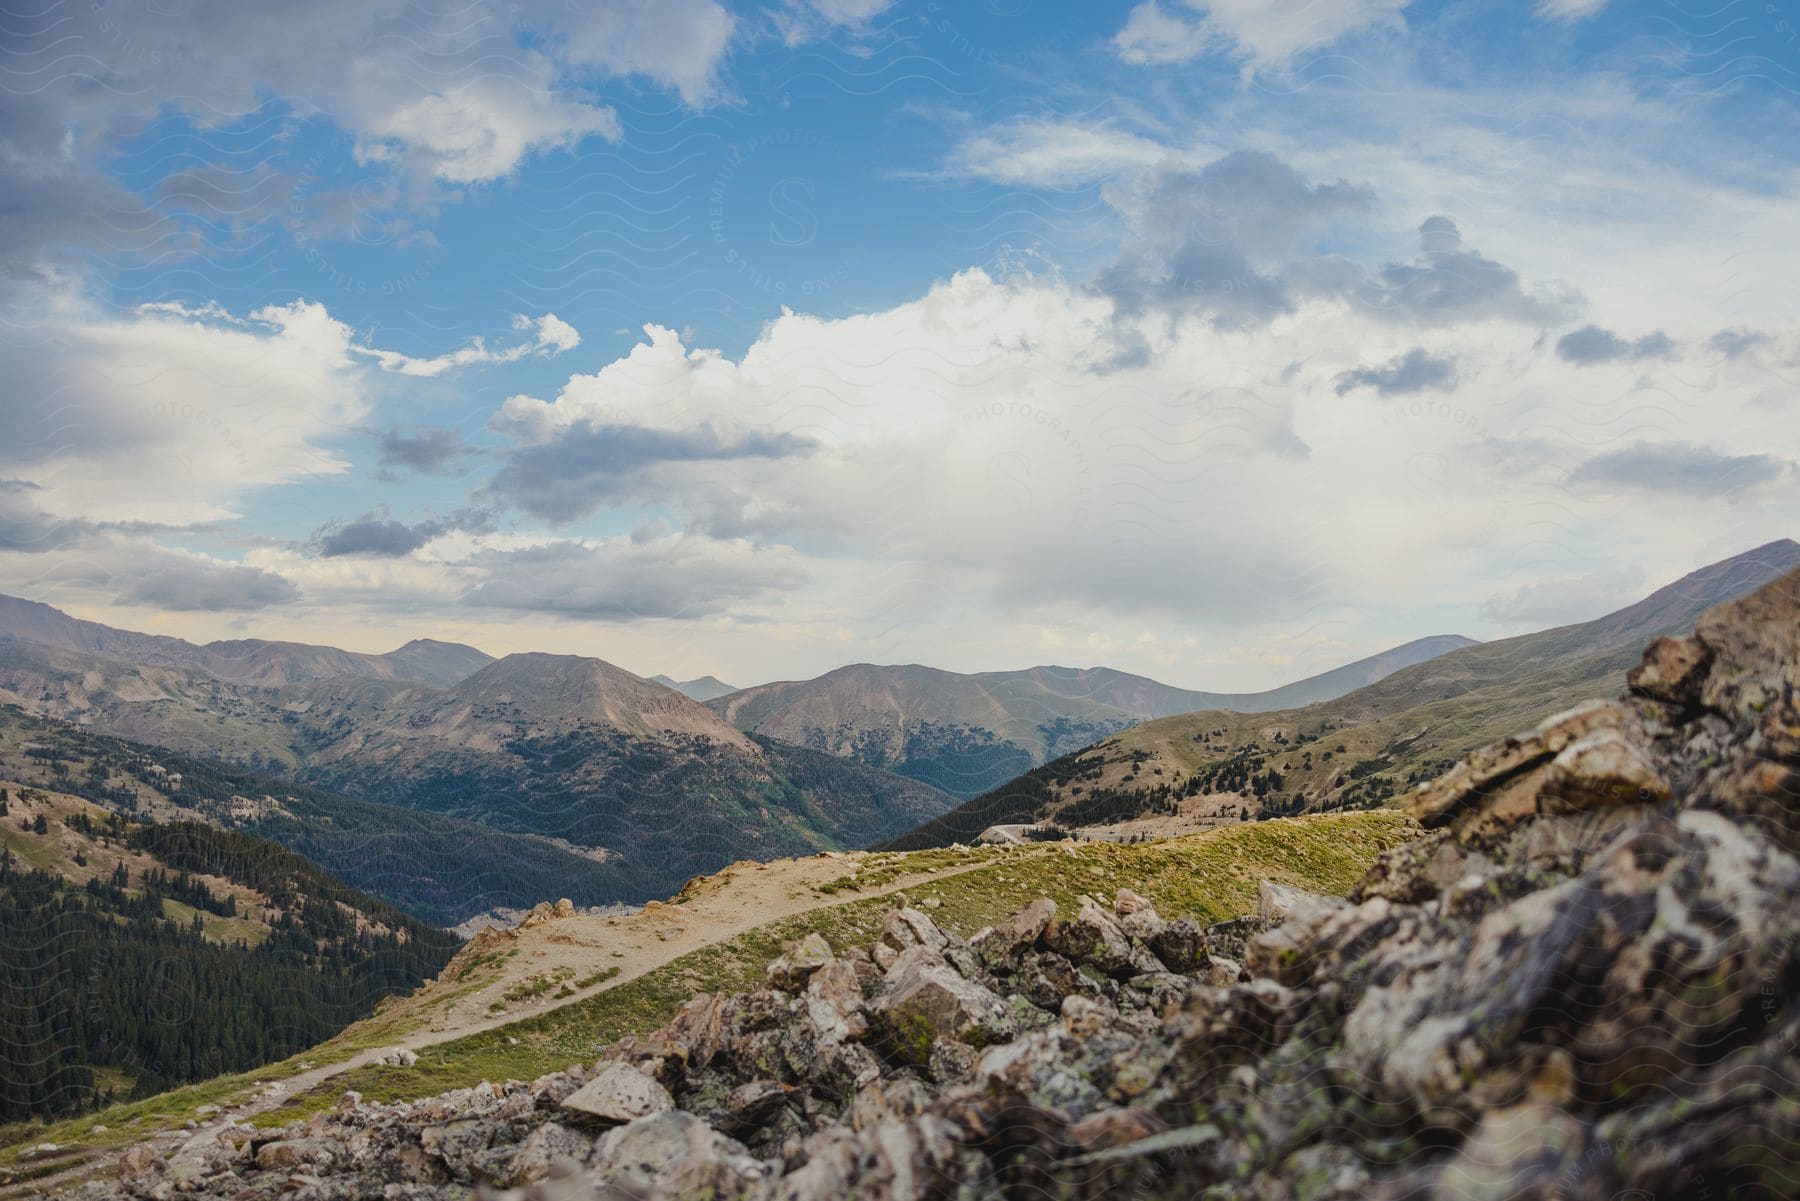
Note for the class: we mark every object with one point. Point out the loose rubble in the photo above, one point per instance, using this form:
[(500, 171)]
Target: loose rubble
[(1580, 983)]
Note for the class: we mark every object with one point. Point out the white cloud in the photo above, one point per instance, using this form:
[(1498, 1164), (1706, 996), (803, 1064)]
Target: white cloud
[(679, 44), (1050, 153), (1267, 33), (169, 415), (1569, 10), (1153, 35), (970, 473), (462, 92), (482, 130), (172, 415), (550, 336)]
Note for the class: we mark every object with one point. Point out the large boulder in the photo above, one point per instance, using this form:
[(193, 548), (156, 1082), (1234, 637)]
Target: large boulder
[(924, 1001), (1095, 938)]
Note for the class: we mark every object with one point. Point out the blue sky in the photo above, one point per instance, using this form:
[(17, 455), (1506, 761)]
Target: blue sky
[(1221, 343)]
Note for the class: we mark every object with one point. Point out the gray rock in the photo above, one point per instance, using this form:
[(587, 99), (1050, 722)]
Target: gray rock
[(795, 966), (1006, 942), (674, 1155), (619, 1093), (924, 1001), (550, 1147)]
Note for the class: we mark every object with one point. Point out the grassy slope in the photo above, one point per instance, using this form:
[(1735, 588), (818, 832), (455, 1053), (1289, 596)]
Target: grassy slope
[(1212, 876)]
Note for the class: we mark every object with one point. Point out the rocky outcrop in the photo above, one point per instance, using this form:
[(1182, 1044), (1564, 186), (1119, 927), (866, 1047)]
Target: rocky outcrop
[(1580, 983)]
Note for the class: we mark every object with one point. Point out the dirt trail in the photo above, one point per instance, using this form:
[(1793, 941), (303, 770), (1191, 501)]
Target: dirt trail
[(712, 909)]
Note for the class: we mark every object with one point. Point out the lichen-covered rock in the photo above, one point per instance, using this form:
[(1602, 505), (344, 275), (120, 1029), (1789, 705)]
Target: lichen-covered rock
[(619, 1093), (1004, 945), (795, 966), (549, 1148), (925, 1001), (1094, 937), (673, 1155)]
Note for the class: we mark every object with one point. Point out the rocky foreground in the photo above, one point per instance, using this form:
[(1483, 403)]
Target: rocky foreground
[(1581, 983)]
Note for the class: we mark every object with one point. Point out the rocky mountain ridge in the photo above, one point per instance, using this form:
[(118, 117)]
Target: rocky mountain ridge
[(1583, 982), (243, 661), (965, 733)]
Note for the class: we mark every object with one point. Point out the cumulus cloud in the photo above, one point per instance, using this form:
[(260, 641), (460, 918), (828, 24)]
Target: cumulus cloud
[(647, 576), (1414, 371), (1447, 284), (676, 44), (801, 21), (169, 414), (1680, 468), (26, 528), (1239, 239), (484, 128), (462, 93), (1594, 344), (470, 90), (1218, 238), (1265, 33)]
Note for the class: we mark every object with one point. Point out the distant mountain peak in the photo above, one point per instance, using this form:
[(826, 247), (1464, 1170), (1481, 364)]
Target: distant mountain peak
[(558, 688), (704, 688)]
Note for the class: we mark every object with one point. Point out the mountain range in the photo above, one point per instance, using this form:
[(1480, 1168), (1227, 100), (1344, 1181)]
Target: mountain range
[(968, 733), (1359, 750), (639, 784), (629, 786), (242, 661)]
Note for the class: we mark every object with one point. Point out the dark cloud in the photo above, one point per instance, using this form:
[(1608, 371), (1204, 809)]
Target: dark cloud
[(228, 198), (53, 202), (26, 528), (378, 534), (428, 451), (590, 465), (1234, 239), (1414, 371), (1593, 344), (1733, 342), (1446, 284), (672, 577), (458, 92), (1678, 467), (211, 587), (1216, 239)]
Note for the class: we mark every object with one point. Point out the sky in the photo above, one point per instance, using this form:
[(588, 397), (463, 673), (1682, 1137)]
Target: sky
[(1221, 343)]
